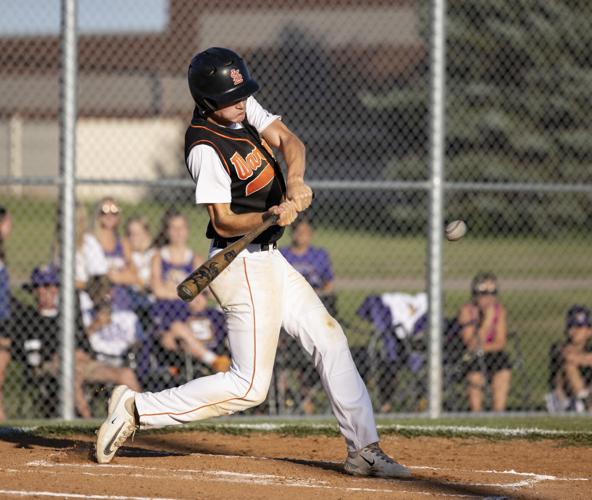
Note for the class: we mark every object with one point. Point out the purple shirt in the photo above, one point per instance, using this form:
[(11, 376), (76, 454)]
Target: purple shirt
[(314, 265)]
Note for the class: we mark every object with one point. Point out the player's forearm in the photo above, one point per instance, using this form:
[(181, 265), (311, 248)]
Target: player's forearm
[(294, 153), (231, 225)]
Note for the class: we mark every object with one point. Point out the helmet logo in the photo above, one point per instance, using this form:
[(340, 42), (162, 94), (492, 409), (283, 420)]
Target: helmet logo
[(236, 76)]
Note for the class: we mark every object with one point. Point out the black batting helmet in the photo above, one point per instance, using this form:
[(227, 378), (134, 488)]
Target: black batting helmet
[(219, 77)]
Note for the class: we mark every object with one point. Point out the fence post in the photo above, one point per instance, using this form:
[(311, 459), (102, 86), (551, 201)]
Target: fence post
[(67, 200), (15, 150), (436, 219)]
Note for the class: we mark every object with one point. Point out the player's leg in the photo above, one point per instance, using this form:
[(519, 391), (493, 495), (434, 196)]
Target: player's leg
[(248, 291), (322, 337), (306, 319)]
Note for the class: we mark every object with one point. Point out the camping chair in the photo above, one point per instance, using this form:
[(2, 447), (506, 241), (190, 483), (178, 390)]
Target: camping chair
[(397, 349)]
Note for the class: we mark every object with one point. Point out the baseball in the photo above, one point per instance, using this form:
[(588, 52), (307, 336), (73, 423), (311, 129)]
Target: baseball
[(456, 230)]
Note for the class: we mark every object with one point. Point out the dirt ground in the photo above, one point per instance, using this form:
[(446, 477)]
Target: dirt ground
[(219, 466)]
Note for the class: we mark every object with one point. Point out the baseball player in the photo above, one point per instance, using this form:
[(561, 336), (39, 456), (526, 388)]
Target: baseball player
[(228, 154)]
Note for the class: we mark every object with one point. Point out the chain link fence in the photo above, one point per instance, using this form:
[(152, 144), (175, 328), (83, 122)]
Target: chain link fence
[(353, 81)]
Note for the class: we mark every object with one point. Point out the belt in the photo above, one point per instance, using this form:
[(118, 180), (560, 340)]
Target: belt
[(216, 243)]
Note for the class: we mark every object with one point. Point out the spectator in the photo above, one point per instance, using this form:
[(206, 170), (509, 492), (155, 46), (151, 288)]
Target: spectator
[(171, 263), (484, 332), (122, 272), (5, 230), (111, 333), (90, 257), (36, 332), (137, 234), (572, 370), (209, 327), (312, 262)]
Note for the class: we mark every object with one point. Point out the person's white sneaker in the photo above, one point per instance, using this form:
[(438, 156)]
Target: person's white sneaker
[(372, 461), (119, 424)]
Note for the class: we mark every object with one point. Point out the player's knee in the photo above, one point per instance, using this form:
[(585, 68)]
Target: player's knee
[(257, 394), (247, 393)]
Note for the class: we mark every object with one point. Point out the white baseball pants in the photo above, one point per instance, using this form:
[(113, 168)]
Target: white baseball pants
[(260, 292)]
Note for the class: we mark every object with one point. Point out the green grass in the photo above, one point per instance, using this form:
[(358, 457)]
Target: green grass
[(570, 431), (539, 278)]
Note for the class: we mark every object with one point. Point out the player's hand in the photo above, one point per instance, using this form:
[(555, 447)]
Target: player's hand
[(287, 212), (300, 193)]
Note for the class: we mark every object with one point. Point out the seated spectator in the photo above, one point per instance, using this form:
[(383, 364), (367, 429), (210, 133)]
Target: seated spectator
[(5, 230), (209, 327), (137, 234), (111, 333), (483, 325), (122, 271), (171, 263), (571, 368), (90, 260), (312, 262), (37, 339)]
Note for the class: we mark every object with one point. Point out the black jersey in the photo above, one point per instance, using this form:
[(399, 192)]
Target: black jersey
[(257, 182)]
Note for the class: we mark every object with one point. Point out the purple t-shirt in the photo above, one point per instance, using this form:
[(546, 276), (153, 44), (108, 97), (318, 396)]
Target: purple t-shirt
[(314, 265)]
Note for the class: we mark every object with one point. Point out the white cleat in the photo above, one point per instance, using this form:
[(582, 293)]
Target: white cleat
[(372, 461), (119, 424)]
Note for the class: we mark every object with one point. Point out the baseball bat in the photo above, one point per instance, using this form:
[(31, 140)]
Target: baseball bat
[(199, 279)]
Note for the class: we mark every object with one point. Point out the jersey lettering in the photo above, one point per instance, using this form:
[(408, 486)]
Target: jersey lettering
[(262, 180), (245, 167)]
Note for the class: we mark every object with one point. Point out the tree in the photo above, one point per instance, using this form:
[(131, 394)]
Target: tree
[(518, 109)]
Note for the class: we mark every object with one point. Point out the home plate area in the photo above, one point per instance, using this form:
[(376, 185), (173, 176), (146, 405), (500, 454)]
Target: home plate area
[(215, 465)]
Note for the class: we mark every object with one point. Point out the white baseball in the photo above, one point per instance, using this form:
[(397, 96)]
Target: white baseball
[(455, 230)]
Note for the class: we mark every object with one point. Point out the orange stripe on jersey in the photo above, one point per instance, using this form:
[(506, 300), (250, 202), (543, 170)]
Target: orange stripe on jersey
[(222, 135), (262, 180), (210, 143), (254, 361)]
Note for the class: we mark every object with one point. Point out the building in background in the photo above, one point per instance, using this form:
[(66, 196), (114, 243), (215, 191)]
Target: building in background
[(133, 104)]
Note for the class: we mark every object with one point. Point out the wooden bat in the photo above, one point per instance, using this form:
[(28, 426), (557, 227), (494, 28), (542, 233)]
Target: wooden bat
[(199, 279)]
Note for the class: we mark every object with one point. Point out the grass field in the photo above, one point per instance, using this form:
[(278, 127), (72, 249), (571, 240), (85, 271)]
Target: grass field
[(539, 278), (572, 430)]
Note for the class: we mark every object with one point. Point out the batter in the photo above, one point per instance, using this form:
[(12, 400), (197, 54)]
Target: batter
[(228, 155)]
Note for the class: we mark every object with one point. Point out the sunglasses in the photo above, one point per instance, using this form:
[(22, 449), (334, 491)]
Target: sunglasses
[(109, 208), (485, 292)]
